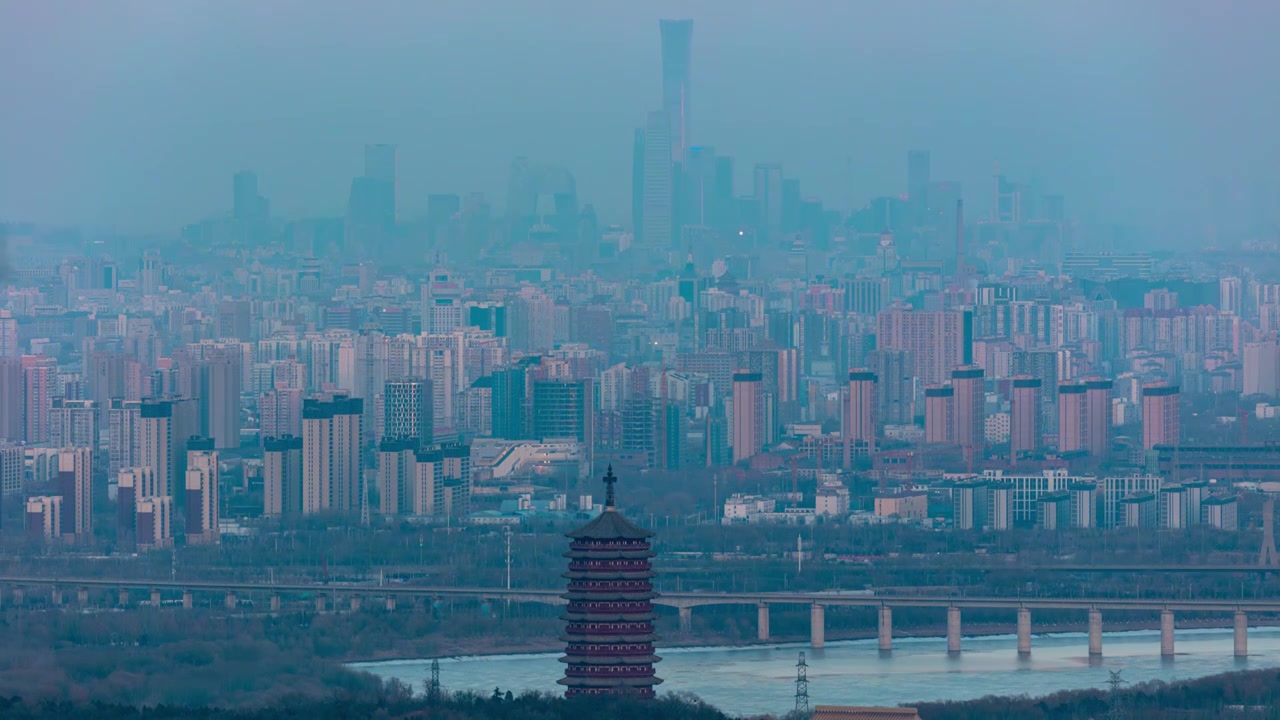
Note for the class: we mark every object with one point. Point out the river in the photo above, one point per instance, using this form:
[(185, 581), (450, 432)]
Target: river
[(761, 679)]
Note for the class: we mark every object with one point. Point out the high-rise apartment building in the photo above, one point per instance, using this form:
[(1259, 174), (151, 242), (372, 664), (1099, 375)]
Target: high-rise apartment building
[(1024, 417), (861, 422), (939, 415), (38, 382), (202, 481), (1073, 417), (75, 475), (938, 340), (1098, 410), (408, 411), (282, 476), (970, 409), (1261, 368), (9, 335), (73, 423), (12, 469), (331, 454), (13, 404), (44, 517), (280, 412), (896, 385), (1161, 422), (1231, 295), (153, 518), (748, 415), (124, 435), (564, 410)]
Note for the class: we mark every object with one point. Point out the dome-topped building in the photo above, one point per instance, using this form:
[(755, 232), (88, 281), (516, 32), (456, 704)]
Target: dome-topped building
[(609, 619)]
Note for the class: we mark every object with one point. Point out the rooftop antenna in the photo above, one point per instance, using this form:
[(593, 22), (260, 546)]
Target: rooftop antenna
[(802, 687)]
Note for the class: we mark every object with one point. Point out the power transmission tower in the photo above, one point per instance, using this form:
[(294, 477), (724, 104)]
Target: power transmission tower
[(802, 687), (1117, 711), (1268, 558), (433, 685)]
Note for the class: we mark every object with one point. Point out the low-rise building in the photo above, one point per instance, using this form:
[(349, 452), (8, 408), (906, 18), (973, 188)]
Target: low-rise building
[(904, 505)]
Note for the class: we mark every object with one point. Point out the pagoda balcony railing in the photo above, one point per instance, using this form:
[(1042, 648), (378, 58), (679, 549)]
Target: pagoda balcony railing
[(608, 608), (610, 671), (605, 629), (645, 585), (610, 565), (607, 649), (608, 545)]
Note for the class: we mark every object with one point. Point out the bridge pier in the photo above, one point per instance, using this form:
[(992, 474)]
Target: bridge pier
[(319, 603), (953, 630), (886, 629), (355, 603), (1024, 632), (230, 601), (1166, 633), (155, 599), (686, 619), (17, 596), (124, 598), (57, 596), (1095, 632), (817, 626), (391, 603), (762, 622), (275, 603), (82, 596), (187, 600), (1241, 634)]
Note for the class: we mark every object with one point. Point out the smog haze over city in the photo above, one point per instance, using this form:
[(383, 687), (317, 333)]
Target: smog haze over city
[(710, 360)]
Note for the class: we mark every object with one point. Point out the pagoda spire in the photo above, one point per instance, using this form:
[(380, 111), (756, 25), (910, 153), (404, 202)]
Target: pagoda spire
[(609, 480)]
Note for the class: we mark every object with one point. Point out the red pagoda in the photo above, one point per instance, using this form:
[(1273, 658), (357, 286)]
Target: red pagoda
[(609, 619)]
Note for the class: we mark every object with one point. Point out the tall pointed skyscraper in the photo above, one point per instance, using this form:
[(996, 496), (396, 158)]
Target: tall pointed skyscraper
[(677, 44), (609, 618)]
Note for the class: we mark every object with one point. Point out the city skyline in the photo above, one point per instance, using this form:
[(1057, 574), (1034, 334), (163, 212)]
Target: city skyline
[(1098, 103)]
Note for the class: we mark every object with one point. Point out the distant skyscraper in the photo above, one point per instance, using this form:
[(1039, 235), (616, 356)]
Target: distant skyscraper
[(564, 409), (1262, 368), (918, 185), (748, 415), (1230, 295), (1024, 417), (677, 46), (247, 206), (1161, 422), (768, 195), (657, 208)]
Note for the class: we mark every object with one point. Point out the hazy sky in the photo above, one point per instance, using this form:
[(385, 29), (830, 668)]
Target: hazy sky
[(137, 112)]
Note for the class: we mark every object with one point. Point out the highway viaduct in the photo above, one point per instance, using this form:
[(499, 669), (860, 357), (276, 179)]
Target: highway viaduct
[(685, 602)]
